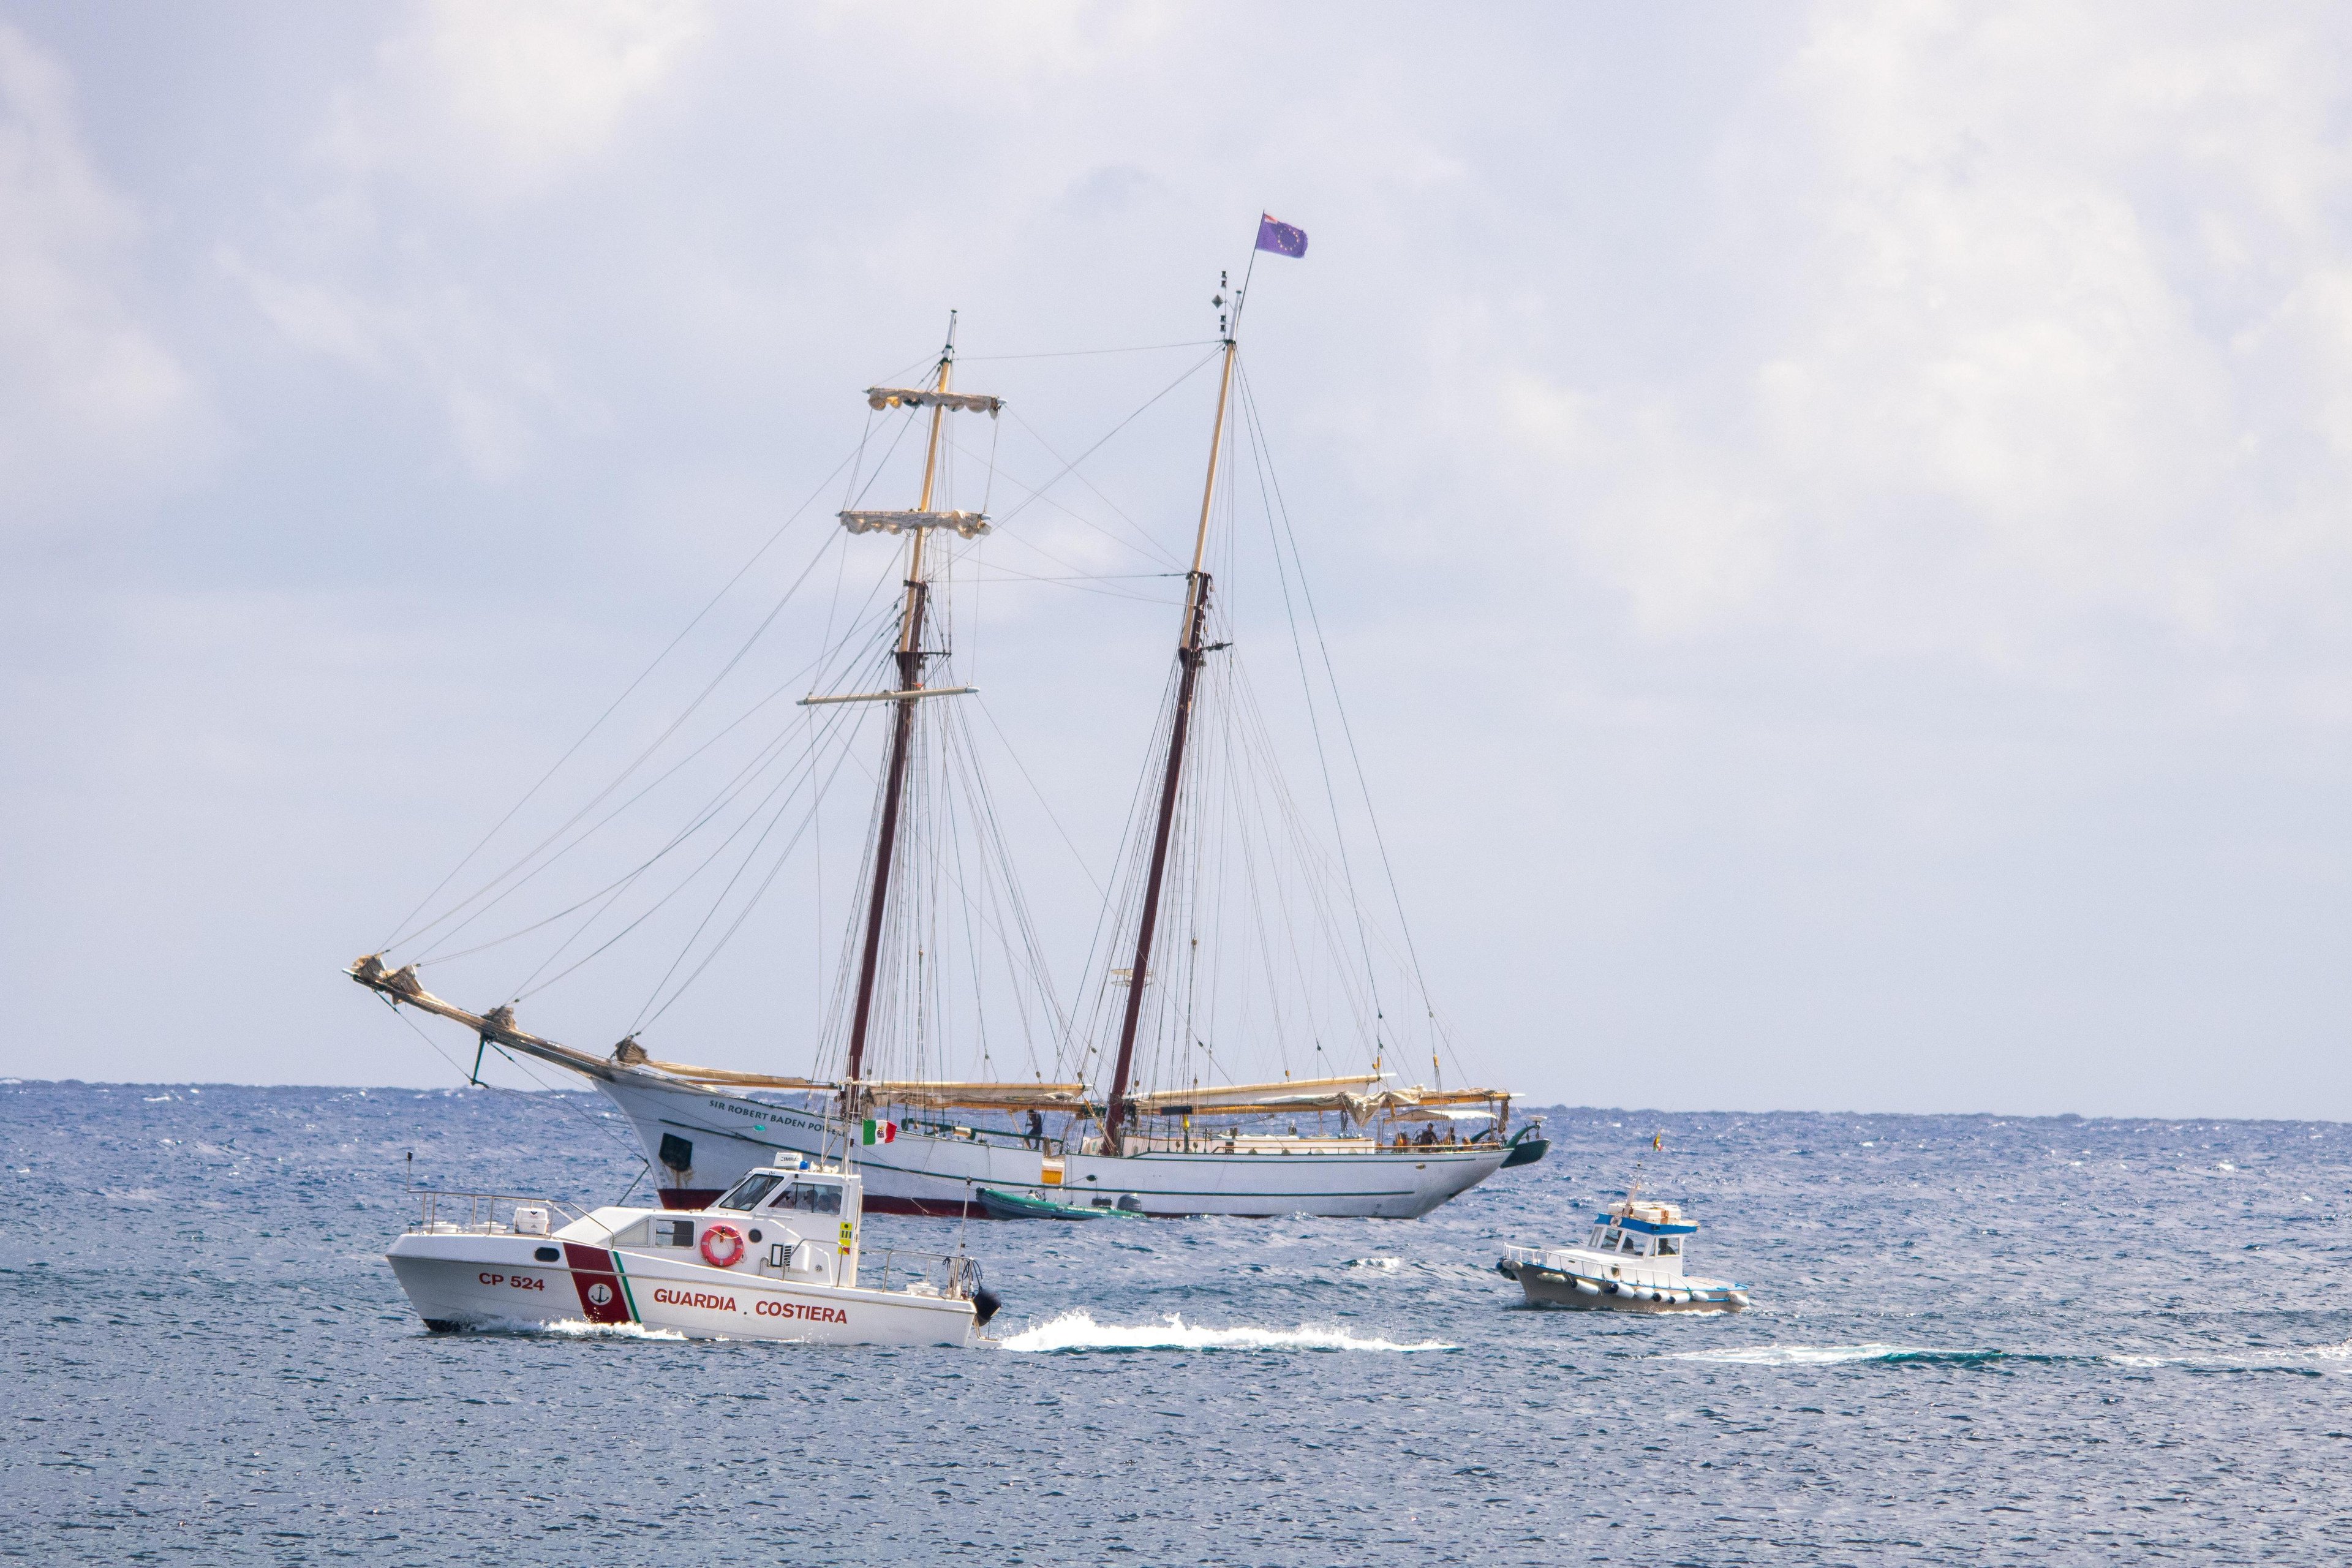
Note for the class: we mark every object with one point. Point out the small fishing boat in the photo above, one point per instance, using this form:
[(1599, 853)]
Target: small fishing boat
[(1014, 1205), (777, 1257), (1632, 1262)]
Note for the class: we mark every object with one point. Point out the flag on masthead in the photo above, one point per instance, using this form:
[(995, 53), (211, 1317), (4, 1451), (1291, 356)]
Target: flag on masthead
[(1278, 237)]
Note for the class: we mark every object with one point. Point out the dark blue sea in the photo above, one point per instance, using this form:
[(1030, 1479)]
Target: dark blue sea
[(1976, 1339)]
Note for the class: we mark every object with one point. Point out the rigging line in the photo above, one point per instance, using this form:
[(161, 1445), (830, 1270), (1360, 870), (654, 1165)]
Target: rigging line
[(599, 799), (1007, 572), (687, 882), (1131, 419), (875, 478), (1150, 544), (1080, 354), (991, 828), (857, 463), (784, 855), (730, 793), (1083, 870), (727, 587), (1031, 544), (727, 793), (1258, 738), (1339, 705), (1306, 689), (459, 1068)]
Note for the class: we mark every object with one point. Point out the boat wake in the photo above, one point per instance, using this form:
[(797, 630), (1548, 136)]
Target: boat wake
[(1834, 1355), (1077, 1331), (2296, 1362), (575, 1329)]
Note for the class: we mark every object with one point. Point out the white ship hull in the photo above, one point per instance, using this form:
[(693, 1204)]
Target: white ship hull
[(468, 1280), (921, 1173)]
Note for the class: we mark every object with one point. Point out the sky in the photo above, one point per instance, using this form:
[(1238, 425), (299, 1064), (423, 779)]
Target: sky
[(1832, 519)]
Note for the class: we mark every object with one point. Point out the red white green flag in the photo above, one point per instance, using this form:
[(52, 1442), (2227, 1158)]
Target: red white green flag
[(880, 1132)]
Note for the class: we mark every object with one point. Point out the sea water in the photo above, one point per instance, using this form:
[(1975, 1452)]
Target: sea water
[(1976, 1339)]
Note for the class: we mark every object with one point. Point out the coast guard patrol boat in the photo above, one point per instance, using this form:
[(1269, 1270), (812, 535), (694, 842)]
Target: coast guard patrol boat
[(775, 1258), (1632, 1262)]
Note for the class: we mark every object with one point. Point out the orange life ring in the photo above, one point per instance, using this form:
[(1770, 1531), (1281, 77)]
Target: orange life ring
[(723, 1245)]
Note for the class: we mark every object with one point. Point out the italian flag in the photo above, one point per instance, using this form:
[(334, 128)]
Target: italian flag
[(880, 1132)]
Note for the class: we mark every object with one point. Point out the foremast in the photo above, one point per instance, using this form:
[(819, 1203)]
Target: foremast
[(909, 657), (1191, 650)]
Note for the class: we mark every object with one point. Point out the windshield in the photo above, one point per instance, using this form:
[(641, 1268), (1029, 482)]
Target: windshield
[(748, 1192), (809, 1197)]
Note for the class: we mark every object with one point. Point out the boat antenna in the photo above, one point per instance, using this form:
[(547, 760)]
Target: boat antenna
[(1633, 1185)]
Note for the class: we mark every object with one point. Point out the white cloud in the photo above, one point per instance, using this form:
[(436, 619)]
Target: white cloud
[(92, 406), (2041, 355), (487, 105), (501, 100)]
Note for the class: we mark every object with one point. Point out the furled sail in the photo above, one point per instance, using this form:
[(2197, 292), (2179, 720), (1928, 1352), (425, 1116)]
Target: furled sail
[(926, 397), (498, 1027), (970, 524), (980, 1096)]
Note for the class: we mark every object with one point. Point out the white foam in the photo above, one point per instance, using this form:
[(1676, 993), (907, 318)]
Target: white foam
[(1802, 1355), (579, 1328), (1077, 1331)]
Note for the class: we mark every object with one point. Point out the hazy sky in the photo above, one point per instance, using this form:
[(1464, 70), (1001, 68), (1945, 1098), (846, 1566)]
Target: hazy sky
[(1833, 520)]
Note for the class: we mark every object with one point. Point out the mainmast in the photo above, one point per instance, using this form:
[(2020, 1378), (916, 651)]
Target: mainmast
[(1189, 652), (910, 656)]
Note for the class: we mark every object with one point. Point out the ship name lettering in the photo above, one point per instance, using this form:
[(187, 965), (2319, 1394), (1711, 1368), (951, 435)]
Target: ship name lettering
[(668, 1297), (774, 1309)]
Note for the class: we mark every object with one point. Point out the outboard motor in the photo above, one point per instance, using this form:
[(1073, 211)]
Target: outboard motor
[(984, 1305)]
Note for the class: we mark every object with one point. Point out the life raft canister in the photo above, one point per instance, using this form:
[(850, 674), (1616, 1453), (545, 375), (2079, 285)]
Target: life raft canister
[(723, 1245)]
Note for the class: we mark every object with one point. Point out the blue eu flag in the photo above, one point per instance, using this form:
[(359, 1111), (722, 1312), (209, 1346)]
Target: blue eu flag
[(1275, 235)]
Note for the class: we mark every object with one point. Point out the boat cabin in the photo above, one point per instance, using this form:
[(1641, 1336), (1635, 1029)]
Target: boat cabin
[(793, 1221), (1655, 1233)]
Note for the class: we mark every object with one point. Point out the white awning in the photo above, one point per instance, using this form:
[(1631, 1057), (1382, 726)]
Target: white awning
[(970, 524), (1439, 1114), (922, 397)]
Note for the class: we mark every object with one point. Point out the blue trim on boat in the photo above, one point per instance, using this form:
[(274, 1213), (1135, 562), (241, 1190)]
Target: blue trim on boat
[(1644, 1227)]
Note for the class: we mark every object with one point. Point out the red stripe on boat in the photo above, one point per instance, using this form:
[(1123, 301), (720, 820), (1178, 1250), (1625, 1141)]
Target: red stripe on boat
[(602, 1299)]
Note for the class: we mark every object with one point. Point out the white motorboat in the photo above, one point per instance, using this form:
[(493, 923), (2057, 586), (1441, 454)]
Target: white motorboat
[(777, 1257), (1632, 1262)]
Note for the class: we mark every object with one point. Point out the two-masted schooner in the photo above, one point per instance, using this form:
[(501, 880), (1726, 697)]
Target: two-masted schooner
[(1378, 1147)]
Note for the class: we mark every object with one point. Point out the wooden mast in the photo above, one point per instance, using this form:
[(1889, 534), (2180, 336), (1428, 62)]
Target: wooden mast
[(1188, 655), (910, 680)]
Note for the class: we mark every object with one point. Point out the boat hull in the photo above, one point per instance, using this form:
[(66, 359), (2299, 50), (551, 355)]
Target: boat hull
[(1547, 1287), (921, 1173), (1009, 1206), (472, 1280)]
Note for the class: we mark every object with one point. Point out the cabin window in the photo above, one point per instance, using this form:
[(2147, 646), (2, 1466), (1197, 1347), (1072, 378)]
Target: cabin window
[(748, 1193), (1629, 1242), (673, 1233), (1609, 1242), (809, 1197), (1669, 1248)]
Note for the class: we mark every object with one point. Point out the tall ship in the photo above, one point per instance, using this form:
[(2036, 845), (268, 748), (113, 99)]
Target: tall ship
[(1232, 934)]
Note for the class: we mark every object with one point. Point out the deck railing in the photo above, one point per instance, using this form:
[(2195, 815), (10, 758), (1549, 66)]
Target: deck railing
[(950, 1275), (440, 1207)]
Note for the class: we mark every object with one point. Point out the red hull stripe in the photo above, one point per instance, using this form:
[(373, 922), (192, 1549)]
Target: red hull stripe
[(602, 1299)]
